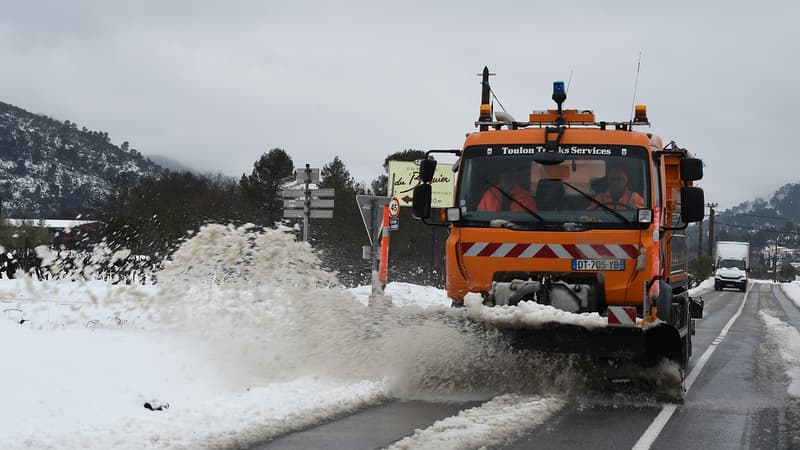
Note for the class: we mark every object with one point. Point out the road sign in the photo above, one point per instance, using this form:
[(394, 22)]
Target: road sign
[(371, 208), (314, 213), (394, 207), (311, 177), (300, 203), (321, 193), (394, 223), (406, 177)]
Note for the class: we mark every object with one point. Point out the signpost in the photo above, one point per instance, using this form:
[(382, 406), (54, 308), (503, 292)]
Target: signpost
[(375, 212), (307, 203)]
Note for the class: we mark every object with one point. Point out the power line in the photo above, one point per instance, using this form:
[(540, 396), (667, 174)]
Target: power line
[(759, 229), (762, 217)]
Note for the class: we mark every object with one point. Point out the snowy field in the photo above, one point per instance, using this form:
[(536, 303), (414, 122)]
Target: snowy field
[(244, 339)]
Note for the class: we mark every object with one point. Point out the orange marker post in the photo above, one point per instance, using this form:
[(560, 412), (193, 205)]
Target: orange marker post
[(383, 269)]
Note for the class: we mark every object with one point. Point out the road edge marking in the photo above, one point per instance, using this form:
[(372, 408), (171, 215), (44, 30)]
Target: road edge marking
[(651, 433)]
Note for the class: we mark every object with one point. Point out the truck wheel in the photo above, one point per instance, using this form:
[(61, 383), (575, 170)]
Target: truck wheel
[(664, 302)]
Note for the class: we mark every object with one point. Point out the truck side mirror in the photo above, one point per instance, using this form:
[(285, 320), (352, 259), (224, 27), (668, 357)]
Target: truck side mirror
[(421, 204), (692, 204), (427, 167), (691, 169)]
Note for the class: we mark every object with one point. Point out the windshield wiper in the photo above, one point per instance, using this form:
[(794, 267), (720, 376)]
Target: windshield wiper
[(503, 223), (595, 201)]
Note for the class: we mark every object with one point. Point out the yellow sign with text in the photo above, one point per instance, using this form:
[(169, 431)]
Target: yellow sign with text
[(406, 177)]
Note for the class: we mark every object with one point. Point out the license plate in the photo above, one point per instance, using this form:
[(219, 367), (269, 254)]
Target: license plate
[(598, 264)]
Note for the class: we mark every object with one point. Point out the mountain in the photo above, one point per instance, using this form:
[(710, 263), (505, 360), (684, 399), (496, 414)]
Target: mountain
[(171, 164), (50, 168), (759, 221)]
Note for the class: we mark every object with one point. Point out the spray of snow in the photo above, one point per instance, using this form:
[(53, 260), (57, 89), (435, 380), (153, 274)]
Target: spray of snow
[(248, 312)]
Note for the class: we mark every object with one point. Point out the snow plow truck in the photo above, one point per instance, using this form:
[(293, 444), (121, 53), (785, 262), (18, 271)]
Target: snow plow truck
[(539, 216)]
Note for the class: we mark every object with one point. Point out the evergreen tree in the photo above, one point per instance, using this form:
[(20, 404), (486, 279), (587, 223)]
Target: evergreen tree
[(262, 187), (335, 175), (152, 217)]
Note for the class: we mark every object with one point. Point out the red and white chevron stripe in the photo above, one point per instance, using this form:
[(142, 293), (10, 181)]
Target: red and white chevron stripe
[(624, 316), (566, 251)]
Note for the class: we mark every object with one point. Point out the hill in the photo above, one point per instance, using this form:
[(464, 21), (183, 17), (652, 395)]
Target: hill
[(757, 221), (50, 168), (171, 164)]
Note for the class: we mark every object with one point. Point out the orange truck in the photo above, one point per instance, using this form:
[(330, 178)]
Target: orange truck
[(581, 215)]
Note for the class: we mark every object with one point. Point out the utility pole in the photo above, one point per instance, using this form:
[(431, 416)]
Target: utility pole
[(775, 260), (711, 228), (306, 202), (700, 238)]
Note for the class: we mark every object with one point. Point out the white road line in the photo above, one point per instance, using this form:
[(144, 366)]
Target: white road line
[(651, 433)]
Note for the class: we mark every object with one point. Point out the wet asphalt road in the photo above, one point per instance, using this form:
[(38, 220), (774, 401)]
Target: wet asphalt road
[(738, 400)]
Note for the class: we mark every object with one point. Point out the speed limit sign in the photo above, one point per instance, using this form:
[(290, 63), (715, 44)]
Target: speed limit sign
[(394, 207)]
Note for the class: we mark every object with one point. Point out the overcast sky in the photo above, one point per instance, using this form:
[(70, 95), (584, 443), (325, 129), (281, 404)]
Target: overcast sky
[(215, 85)]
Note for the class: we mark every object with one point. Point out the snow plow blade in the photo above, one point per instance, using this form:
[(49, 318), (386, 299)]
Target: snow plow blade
[(646, 345)]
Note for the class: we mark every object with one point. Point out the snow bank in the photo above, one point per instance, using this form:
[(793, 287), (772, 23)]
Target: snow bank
[(705, 285), (406, 294), (492, 424), (787, 339), (792, 290)]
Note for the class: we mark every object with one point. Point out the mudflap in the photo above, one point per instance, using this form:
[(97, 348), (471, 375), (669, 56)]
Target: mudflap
[(646, 346)]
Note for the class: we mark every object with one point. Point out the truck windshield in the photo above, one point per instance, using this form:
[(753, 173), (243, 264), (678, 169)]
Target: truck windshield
[(732, 264), (595, 184)]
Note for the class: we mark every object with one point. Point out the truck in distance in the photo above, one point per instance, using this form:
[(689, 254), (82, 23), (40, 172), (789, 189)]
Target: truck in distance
[(731, 265)]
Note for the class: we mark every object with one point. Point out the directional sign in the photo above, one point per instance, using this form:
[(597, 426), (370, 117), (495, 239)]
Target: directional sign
[(394, 207), (406, 177), (322, 193), (314, 213), (294, 203), (300, 203), (313, 176)]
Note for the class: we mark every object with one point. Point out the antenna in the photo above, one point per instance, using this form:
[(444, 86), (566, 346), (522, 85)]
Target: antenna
[(569, 81), (635, 86)]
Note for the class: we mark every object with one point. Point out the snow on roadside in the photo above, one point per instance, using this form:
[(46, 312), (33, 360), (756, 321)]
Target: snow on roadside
[(705, 285), (492, 424), (405, 294), (787, 338), (792, 290)]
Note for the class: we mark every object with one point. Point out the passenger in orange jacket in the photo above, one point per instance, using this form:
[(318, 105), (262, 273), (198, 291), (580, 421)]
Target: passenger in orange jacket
[(511, 193), (617, 195)]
